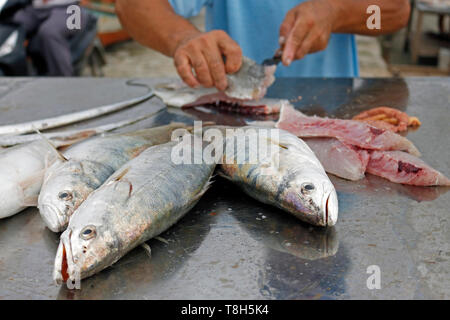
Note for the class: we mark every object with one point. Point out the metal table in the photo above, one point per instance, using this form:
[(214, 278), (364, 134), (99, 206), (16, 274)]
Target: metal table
[(232, 247)]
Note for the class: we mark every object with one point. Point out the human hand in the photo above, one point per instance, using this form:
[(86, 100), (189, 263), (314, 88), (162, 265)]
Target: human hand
[(307, 29), (205, 53)]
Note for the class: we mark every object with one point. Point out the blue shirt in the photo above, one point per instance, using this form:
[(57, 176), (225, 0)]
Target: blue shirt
[(255, 24)]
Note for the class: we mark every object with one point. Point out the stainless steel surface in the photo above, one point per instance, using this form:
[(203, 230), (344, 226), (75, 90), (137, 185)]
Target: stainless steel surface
[(232, 247)]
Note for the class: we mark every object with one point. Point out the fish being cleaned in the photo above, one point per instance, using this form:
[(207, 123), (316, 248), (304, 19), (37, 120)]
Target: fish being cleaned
[(222, 102), (401, 167), (22, 171), (251, 81), (63, 120), (289, 177), (338, 158), (86, 166), (140, 201), (177, 94), (350, 132), (244, 95)]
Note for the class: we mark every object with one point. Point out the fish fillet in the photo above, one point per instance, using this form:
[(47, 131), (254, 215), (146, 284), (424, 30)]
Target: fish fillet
[(347, 131), (401, 167), (338, 158)]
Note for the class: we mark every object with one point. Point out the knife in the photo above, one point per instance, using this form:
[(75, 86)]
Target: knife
[(276, 59)]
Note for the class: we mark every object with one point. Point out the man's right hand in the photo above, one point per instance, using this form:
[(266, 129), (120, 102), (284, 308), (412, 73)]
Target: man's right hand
[(212, 55)]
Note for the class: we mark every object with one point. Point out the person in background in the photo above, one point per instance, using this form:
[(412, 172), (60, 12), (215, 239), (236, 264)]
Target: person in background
[(316, 35), (45, 24)]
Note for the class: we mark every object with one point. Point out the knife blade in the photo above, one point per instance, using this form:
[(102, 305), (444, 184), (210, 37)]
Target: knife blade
[(276, 59)]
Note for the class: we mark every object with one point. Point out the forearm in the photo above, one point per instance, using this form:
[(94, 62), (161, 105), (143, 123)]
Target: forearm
[(154, 24), (351, 15)]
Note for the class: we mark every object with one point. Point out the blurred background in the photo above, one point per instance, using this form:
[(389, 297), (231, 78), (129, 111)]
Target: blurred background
[(105, 49)]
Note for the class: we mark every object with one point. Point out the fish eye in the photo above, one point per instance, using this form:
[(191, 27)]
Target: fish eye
[(65, 195), (88, 232), (308, 187)]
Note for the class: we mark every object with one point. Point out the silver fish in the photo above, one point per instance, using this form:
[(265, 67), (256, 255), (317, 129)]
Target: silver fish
[(68, 182), (11, 140), (141, 200), (63, 120), (290, 177), (22, 171)]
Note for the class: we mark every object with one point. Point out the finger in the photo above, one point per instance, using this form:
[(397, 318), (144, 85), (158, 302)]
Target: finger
[(216, 66), (321, 43), (293, 42), (201, 68), (184, 69), (232, 52), (306, 46), (286, 26)]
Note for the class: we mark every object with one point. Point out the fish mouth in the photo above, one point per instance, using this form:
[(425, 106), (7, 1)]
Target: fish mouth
[(65, 268), (53, 218), (331, 209)]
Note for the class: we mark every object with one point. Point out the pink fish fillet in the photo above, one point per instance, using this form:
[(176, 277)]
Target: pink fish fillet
[(338, 158), (222, 102), (402, 167), (347, 131)]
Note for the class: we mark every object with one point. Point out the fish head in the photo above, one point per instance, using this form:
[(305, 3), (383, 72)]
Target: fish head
[(65, 187), (311, 196), (86, 247), (94, 236)]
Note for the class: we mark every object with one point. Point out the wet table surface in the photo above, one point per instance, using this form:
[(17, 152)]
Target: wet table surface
[(232, 247)]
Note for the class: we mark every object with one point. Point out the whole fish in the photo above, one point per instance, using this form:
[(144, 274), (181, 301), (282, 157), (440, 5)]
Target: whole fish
[(290, 177), (86, 166), (141, 200), (63, 120), (22, 171), (351, 132), (11, 140)]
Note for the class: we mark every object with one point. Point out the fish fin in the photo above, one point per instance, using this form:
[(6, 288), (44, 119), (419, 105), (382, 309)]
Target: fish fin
[(52, 146), (162, 240), (120, 178), (204, 189), (147, 249), (31, 201), (122, 174), (79, 136), (220, 173), (35, 178)]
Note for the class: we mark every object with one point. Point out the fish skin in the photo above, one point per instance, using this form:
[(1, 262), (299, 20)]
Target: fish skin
[(140, 201), (283, 186), (65, 119), (404, 168), (338, 158), (22, 172), (351, 132), (89, 164), (251, 81)]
